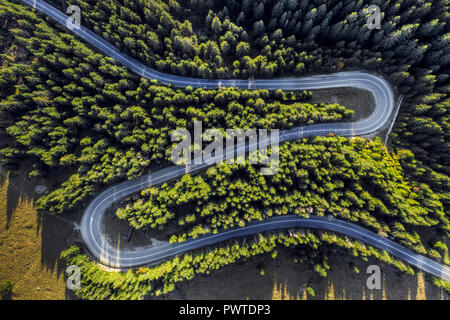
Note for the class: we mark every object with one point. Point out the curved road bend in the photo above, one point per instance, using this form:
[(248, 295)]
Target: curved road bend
[(92, 222)]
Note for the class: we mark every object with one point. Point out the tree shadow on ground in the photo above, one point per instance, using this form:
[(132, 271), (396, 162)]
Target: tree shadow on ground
[(57, 235), (17, 188)]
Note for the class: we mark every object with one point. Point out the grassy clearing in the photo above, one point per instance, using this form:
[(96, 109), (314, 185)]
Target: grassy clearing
[(21, 251)]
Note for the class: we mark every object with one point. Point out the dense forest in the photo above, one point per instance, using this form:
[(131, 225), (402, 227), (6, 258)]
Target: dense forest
[(86, 122)]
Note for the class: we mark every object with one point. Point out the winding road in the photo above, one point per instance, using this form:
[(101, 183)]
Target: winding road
[(91, 227)]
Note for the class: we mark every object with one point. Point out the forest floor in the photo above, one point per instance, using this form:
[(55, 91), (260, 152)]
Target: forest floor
[(285, 279)]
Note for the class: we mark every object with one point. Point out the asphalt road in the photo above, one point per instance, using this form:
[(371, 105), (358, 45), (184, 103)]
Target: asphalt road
[(92, 223)]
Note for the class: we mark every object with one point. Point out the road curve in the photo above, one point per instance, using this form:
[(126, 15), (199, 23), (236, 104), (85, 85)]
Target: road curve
[(92, 221)]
